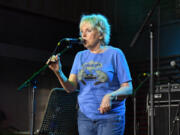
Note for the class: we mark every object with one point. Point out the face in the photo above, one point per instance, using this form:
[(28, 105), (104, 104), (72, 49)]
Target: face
[(92, 37)]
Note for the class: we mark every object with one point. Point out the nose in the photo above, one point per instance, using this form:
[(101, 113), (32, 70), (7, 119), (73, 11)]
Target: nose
[(83, 34)]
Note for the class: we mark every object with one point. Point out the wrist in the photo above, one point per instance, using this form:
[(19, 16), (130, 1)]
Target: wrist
[(112, 97), (61, 74)]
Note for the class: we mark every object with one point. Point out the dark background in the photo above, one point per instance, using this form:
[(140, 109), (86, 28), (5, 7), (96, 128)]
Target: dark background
[(30, 30)]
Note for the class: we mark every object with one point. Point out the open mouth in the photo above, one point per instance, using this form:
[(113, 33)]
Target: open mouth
[(84, 41)]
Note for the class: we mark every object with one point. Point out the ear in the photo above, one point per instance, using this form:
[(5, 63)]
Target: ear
[(101, 36)]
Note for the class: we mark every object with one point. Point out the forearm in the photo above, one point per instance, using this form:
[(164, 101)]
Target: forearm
[(65, 83), (123, 91)]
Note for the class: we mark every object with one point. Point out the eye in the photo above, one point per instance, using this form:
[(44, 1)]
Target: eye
[(89, 30)]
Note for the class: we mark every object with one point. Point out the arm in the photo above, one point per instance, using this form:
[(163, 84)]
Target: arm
[(70, 84), (123, 74), (124, 91)]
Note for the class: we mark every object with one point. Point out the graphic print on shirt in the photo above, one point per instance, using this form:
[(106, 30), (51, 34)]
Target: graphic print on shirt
[(92, 71)]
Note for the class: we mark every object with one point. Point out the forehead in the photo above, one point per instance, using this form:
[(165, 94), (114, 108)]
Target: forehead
[(85, 24)]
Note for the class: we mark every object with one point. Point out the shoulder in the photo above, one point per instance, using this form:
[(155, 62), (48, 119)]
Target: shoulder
[(115, 50), (84, 52)]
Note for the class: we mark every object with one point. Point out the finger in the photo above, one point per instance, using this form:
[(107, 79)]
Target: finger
[(104, 109), (48, 61), (51, 60), (105, 105), (57, 58), (101, 110), (51, 66)]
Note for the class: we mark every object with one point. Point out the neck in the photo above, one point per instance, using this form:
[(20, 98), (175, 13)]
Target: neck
[(97, 49)]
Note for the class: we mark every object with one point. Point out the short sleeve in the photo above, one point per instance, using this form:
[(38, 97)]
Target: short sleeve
[(122, 68), (74, 69)]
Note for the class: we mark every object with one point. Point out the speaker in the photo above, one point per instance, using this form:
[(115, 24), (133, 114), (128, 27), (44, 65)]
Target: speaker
[(60, 117), (161, 120)]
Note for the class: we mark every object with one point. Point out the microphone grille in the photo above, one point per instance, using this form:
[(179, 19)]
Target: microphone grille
[(82, 41), (173, 63), (157, 73), (80, 38)]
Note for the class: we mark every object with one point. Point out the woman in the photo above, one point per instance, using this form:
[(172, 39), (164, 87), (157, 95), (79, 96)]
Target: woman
[(102, 74)]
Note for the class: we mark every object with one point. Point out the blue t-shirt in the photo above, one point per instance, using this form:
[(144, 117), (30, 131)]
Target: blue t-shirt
[(99, 74)]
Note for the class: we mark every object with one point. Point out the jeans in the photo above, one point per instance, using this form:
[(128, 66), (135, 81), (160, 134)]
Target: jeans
[(112, 126)]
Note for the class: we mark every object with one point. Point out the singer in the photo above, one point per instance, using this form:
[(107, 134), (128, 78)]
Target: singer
[(102, 74)]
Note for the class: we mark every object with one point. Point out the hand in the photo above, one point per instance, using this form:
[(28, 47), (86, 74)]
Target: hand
[(105, 104), (54, 63)]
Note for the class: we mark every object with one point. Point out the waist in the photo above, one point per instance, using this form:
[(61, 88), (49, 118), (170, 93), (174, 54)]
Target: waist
[(90, 109)]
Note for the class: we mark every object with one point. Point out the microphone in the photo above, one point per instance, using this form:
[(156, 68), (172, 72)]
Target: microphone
[(157, 73), (174, 65), (143, 76), (72, 40)]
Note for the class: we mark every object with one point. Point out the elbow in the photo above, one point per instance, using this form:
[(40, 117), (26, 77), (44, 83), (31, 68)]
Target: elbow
[(70, 87), (70, 90), (130, 92)]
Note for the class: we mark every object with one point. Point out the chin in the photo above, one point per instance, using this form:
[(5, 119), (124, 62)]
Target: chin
[(85, 45)]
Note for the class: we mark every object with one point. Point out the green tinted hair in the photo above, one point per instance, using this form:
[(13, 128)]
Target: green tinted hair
[(100, 23)]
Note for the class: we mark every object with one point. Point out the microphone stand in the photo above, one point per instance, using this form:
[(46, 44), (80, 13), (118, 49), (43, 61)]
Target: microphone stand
[(32, 81), (176, 121), (151, 83), (146, 21), (134, 101), (169, 108)]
